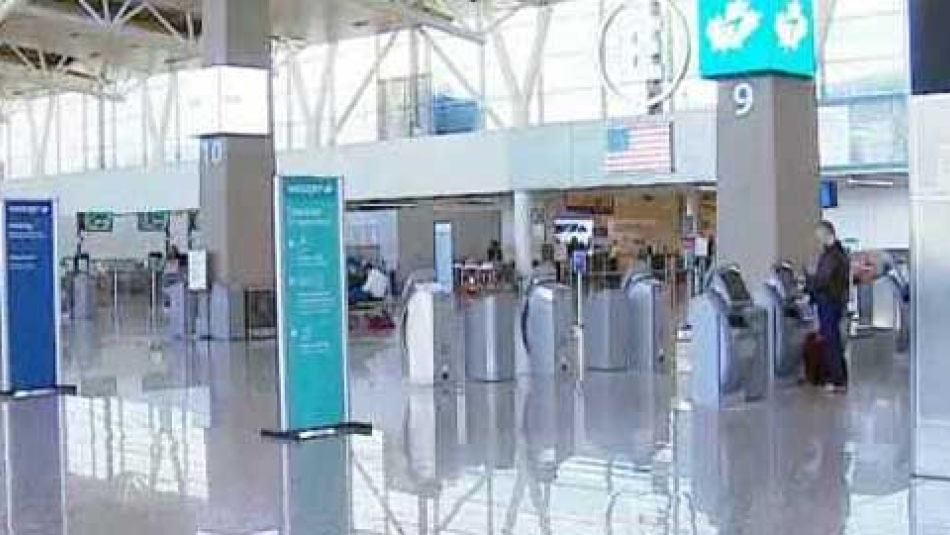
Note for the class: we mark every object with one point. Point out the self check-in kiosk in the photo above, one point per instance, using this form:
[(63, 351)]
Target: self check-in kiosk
[(789, 322), (729, 342)]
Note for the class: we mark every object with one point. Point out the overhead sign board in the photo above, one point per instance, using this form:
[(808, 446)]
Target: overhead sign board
[(30, 289), (154, 221), (96, 222), (742, 37)]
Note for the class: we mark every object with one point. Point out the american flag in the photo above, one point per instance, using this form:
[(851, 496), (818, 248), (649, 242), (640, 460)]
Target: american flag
[(639, 146)]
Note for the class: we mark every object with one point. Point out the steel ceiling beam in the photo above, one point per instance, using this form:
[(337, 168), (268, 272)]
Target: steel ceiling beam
[(159, 38), (10, 7), (50, 81), (414, 16)]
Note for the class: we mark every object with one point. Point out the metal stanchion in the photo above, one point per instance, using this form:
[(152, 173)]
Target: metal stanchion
[(115, 294), (153, 300), (674, 293), (579, 327)]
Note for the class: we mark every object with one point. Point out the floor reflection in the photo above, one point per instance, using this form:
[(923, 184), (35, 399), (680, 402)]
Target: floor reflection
[(164, 439)]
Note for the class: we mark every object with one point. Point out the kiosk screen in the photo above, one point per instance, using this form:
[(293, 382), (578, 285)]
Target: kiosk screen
[(735, 286)]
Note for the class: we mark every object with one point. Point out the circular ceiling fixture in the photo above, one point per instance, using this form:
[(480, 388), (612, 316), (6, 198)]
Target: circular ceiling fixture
[(675, 24)]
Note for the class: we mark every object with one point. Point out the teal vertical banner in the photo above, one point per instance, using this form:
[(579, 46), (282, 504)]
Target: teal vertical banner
[(311, 296), (444, 255), (741, 37)]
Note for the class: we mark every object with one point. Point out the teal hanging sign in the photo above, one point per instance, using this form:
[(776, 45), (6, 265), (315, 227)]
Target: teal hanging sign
[(743, 37), (311, 302)]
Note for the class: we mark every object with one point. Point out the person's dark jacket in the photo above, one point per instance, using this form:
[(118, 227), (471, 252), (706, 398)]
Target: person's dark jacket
[(830, 282)]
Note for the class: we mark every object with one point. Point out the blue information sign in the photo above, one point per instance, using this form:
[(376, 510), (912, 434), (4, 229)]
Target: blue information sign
[(579, 261), (740, 37), (30, 296), (311, 296)]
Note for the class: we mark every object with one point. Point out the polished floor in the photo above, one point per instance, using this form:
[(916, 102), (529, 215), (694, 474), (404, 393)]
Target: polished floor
[(164, 439)]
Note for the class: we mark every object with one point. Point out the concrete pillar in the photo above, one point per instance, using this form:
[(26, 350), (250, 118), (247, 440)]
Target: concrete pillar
[(930, 219), (523, 205), (767, 150), (237, 172)]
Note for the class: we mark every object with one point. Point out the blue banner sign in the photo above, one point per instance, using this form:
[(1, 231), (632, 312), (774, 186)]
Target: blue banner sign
[(311, 297), (742, 37), (31, 305)]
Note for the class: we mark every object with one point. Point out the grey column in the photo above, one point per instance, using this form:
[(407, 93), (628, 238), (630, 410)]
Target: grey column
[(768, 174), (930, 219), (236, 173)]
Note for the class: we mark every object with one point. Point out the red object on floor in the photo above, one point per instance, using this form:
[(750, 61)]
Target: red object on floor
[(381, 323), (814, 355)]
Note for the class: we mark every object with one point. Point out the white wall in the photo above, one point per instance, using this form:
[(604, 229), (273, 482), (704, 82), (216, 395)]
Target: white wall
[(407, 168), (379, 229), (130, 191), (549, 157), (473, 230), (554, 156), (118, 191), (878, 217), (125, 241)]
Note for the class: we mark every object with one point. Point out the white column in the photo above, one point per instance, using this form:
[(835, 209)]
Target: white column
[(930, 257), (522, 206)]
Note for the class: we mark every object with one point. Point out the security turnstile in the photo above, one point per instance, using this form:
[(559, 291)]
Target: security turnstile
[(179, 309), (547, 317), (891, 305), (430, 329), (548, 425), (83, 300), (608, 330), (422, 448), (490, 337), (491, 425), (729, 342), (651, 333), (789, 322)]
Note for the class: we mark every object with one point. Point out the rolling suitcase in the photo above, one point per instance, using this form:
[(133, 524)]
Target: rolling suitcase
[(814, 356)]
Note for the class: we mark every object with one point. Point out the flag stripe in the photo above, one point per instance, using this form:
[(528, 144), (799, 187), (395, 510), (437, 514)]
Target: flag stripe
[(638, 145)]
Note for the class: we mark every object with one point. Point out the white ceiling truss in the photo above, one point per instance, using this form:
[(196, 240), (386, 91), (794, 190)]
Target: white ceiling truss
[(91, 46)]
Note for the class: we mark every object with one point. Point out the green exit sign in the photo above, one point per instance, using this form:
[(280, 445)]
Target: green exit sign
[(743, 37)]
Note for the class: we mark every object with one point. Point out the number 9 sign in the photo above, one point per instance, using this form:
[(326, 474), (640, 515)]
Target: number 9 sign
[(743, 96)]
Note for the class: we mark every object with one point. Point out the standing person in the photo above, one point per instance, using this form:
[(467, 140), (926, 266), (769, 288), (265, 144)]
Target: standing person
[(613, 257), (495, 253), (829, 289)]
